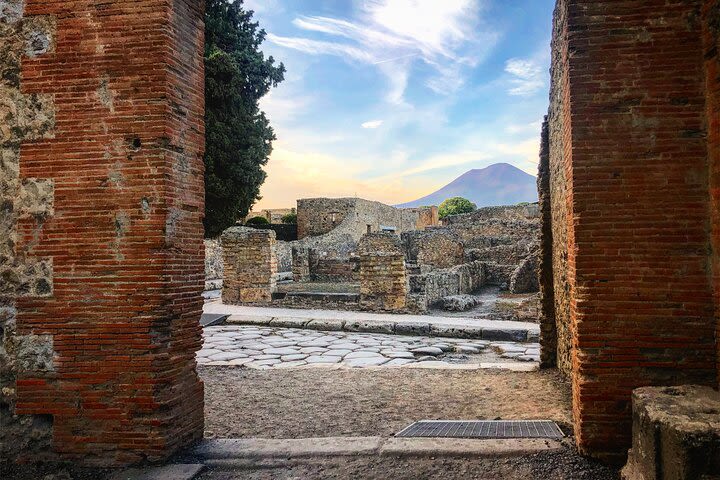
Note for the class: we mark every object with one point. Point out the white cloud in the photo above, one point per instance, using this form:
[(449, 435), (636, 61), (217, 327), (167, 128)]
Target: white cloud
[(392, 34), (372, 124), (528, 76)]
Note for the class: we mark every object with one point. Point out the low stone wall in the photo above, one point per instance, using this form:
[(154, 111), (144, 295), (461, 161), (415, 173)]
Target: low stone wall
[(250, 265), (328, 269), (213, 264), (383, 278), (429, 288)]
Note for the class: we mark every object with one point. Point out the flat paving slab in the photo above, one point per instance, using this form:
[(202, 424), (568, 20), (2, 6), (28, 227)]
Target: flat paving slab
[(453, 327)]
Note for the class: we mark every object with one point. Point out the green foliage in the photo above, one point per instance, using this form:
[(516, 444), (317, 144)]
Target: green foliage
[(289, 218), (456, 206), (257, 221), (238, 138)]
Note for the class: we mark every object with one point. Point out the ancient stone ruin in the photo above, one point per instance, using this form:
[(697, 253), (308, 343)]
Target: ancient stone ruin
[(441, 265)]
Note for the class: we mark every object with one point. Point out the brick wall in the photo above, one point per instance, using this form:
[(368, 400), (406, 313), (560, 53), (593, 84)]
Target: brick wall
[(711, 43), (383, 279), (250, 265), (435, 247), (112, 137), (630, 223)]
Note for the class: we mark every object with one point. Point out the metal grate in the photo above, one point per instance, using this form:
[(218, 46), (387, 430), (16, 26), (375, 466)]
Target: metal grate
[(483, 429)]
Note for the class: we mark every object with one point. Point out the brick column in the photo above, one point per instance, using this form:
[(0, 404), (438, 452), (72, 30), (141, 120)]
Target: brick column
[(383, 279), (630, 222), (250, 271), (107, 154)]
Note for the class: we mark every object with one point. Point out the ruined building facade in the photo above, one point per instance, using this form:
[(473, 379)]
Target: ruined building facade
[(630, 195)]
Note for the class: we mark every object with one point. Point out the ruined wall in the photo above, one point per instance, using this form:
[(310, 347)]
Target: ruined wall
[(629, 191), (318, 216), (102, 156), (548, 326), (428, 289), (383, 278), (250, 265), (435, 247)]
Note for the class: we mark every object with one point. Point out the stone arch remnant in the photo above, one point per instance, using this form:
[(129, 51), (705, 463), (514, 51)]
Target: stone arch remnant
[(101, 202)]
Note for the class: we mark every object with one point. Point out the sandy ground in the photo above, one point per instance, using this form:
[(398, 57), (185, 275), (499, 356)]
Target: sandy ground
[(321, 403)]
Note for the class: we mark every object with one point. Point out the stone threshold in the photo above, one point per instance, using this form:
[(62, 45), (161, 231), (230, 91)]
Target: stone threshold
[(364, 322), (218, 452)]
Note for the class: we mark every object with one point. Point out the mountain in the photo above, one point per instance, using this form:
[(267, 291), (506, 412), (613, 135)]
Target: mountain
[(498, 184)]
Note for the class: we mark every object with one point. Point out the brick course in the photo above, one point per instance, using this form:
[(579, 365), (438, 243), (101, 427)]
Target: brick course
[(125, 237), (250, 265)]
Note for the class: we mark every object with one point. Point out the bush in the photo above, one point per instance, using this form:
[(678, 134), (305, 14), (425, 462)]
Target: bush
[(257, 221), (290, 218), (456, 206)]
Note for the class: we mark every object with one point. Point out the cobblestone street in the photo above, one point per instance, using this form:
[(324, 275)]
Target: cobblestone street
[(268, 347)]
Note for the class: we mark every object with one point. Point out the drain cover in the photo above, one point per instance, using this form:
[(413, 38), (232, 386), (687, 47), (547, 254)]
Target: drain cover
[(483, 429)]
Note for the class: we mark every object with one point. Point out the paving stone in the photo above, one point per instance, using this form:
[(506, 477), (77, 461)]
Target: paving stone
[(319, 359), (336, 353), (310, 350), (344, 346), (292, 358), (352, 355), (399, 355), (266, 357), (528, 358), (397, 362), (225, 356), (365, 362), (239, 361), (434, 351), (281, 351), (467, 349), (206, 352), (264, 363), (442, 346), (293, 364)]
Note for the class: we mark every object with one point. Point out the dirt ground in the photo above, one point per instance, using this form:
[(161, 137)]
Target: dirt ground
[(322, 403)]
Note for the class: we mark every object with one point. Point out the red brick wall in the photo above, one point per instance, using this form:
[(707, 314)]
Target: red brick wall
[(711, 37), (640, 295), (126, 237)]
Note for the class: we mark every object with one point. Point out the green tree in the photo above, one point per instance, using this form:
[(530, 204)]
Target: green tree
[(455, 206), (238, 136), (257, 221), (290, 218)]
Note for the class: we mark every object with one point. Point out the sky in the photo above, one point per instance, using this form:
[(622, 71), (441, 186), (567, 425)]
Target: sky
[(390, 100)]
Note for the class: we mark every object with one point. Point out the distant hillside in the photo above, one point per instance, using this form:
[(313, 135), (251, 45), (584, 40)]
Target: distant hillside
[(498, 184)]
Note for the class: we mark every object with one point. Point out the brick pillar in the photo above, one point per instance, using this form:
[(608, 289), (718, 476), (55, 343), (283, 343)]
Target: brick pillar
[(250, 271), (629, 189), (383, 279), (105, 156), (711, 43)]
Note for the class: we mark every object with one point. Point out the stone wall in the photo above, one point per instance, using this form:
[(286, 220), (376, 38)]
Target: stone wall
[(629, 192), (103, 270), (427, 289), (327, 268), (434, 247), (250, 265), (548, 327), (383, 278), (318, 216), (213, 264)]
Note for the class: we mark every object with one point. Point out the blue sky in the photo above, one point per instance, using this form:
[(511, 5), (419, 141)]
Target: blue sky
[(391, 99)]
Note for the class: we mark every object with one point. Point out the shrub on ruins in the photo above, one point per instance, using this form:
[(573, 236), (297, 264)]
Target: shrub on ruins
[(257, 221), (290, 218), (456, 206), (239, 137)]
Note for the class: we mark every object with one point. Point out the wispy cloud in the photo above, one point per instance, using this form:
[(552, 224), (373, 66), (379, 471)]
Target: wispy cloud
[(527, 76), (448, 36), (372, 124)]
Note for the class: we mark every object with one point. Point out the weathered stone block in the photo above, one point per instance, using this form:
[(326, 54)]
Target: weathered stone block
[(383, 279), (676, 434), (250, 265)]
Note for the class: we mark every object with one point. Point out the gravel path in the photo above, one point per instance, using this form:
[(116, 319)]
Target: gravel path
[(300, 403), (268, 347)]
